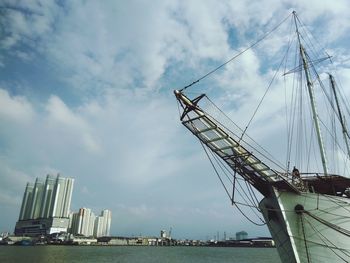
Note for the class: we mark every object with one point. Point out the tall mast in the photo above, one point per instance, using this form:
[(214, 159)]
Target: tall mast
[(342, 120), (312, 98)]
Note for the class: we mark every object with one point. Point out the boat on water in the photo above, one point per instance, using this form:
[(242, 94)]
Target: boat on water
[(307, 207)]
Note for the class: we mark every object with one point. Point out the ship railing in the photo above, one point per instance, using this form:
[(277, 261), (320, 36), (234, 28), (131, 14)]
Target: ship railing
[(295, 180)]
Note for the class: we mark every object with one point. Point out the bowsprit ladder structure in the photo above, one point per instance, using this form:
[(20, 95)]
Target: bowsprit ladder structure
[(308, 214), (229, 148)]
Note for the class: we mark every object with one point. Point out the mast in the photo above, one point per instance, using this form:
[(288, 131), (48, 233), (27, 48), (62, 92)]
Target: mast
[(312, 99), (342, 120)]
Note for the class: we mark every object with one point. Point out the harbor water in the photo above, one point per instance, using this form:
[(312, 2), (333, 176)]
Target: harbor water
[(137, 254)]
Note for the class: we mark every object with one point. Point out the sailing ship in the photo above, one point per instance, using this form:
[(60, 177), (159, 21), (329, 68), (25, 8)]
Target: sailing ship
[(307, 213)]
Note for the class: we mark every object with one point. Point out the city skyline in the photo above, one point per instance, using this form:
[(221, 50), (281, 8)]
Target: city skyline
[(86, 90), (46, 210), (41, 199)]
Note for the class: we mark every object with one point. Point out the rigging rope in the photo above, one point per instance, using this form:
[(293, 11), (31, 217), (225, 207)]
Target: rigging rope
[(262, 224), (263, 97), (222, 165), (326, 223), (319, 244), (324, 238), (227, 192), (266, 154), (306, 246), (237, 55), (206, 152)]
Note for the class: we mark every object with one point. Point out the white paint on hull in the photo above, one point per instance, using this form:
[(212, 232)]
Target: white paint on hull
[(304, 234)]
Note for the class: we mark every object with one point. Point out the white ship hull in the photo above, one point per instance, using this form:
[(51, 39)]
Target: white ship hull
[(317, 235)]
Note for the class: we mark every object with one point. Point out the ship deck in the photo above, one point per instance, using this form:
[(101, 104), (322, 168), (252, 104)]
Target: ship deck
[(327, 184)]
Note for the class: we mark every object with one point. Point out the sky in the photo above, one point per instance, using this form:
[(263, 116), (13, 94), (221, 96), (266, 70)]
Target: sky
[(86, 90)]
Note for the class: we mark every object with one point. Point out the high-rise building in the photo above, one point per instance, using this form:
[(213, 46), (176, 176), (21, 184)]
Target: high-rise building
[(45, 206), (26, 203), (83, 222), (241, 235), (62, 197), (103, 224), (98, 226), (37, 199), (47, 203)]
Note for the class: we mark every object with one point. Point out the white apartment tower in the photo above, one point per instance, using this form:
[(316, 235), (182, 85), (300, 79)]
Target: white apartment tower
[(26, 203), (83, 222), (62, 197), (48, 196), (86, 223), (103, 224), (47, 202)]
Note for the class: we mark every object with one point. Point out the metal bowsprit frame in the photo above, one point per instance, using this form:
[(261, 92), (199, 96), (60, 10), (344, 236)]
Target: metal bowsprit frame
[(230, 150)]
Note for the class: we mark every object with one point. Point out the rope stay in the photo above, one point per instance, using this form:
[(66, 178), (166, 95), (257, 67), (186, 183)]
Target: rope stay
[(324, 240), (304, 235), (299, 209), (254, 207), (298, 141), (257, 148), (325, 222), (265, 93), (237, 55)]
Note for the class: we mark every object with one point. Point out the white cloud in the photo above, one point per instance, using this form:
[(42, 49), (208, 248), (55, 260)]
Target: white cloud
[(30, 25), (12, 183), (59, 113), (23, 55), (70, 125), (15, 108), (100, 45)]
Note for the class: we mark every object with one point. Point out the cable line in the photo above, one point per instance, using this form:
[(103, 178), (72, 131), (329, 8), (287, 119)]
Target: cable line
[(237, 55)]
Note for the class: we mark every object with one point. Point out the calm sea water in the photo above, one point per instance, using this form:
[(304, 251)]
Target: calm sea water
[(137, 254)]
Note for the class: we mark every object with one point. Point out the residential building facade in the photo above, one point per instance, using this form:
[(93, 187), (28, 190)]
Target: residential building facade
[(45, 206)]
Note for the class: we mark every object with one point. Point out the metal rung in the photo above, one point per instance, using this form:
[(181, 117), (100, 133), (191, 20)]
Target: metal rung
[(235, 155), (231, 156), (205, 130), (223, 148), (263, 170), (254, 163), (241, 154), (255, 169), (218, 139), (196, 118)]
